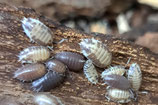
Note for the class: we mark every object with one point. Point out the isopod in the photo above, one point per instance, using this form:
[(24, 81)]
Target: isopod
[(56, 65), (30, 72), (51, 79), (34, 54), (119, 96), (74, 61), (96, 51), (47, 99), (90, 72), (117, 81), (135, 76), (37, 31), (118, 70)]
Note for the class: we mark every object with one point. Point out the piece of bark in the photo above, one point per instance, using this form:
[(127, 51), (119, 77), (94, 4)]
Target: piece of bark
[(149, 40), (76, 89)]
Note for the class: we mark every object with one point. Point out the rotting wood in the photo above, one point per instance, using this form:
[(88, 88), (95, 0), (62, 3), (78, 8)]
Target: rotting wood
[(76, 89)]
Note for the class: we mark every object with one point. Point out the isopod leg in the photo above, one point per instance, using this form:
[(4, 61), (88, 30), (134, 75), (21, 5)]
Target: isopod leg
[(128, 62), (123, 101), (50, 48), (108, 87), (107, 97), (133, 95), (61, 41), (143, 92), (31, 40)]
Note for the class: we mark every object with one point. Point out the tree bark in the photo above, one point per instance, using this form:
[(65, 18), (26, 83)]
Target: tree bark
[(76, 90)]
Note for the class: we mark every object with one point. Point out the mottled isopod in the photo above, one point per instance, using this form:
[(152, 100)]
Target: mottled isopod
[(74, 61), (47, 99), (96, 51), (117, 81), (118, 70), (135, 76), (34, 54), (37, 31), (51, 79), (90, 72), (30, 72), (119, 96)]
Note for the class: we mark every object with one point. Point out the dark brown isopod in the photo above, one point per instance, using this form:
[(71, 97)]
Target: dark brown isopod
[(117, 81), (52, 79), (74, 61), (30, 72), (47, 82)]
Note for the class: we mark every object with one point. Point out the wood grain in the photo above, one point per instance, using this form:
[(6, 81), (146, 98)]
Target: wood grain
[(76, 90)]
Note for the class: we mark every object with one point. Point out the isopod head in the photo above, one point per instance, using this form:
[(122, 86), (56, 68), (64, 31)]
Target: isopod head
[(119, 96), (34, 54), (134, 75), (37, 31), (30, 72), (47, 99), (90, 72), (118, 70), (74, 61), (117, 81), (96, 51)]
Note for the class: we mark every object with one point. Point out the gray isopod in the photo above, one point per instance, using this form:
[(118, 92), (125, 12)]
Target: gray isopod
[(90, 72), (119, 96), (34, 54), (117, 81), (74, 61), (135, 76), (37, 31), (96, 51)]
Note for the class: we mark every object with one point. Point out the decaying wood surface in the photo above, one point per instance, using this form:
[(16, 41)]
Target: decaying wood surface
[(76, 90)]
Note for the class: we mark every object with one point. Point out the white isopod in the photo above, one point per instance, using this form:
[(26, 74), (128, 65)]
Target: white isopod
[(96, 51), (47, 99), (118, 70), (37, 31), (134, 75), (90, 72), (119, 96), (34, 54)]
